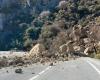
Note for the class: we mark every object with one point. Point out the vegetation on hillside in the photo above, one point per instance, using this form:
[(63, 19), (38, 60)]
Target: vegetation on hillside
[(24, 29)]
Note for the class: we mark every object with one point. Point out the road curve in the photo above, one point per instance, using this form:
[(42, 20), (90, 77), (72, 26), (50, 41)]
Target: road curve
[(80, 69)]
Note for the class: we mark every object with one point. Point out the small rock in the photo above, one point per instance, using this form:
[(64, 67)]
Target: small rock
[(33, 73), (51, 64), (7, 71), (18, 71), (86, 40)]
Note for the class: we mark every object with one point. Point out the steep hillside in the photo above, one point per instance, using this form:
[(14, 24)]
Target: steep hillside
[(27, 22)]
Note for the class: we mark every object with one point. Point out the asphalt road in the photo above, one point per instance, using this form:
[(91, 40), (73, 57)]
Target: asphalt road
[(80, 69), (11, 53)]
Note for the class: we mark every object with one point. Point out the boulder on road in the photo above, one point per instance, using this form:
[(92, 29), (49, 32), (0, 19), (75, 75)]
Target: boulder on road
[(79, 48), (86, 40), (18, 71)]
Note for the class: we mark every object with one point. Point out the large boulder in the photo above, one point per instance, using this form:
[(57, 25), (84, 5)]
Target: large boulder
[(77, 48), (87, 40), (68, 47), (95, 32), (89, 50), (75, 34), (19, 71), (78, 33), (37, 50), (63, 48)]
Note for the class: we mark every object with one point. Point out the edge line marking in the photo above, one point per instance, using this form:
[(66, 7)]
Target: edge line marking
[(94, 67), (33, 78)]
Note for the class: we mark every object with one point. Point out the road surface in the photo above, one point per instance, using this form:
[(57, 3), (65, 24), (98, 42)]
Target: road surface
[(12, 53), (80, 69)]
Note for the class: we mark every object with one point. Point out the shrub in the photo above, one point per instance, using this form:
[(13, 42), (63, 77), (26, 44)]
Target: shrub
[(28, 43), (32, 33), (44, 14), (49, 31), (97, 56)]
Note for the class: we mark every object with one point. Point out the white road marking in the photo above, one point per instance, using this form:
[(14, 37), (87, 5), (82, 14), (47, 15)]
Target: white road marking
[(33, 78), (94, 67)]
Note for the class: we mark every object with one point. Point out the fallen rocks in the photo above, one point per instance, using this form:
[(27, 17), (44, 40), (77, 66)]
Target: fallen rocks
[(17, 61), (70, 46), (3, 63)]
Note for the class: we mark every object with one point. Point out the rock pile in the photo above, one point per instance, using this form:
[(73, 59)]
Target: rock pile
[(81, 41)]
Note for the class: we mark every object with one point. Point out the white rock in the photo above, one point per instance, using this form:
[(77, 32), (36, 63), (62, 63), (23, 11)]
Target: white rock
[(37, 49), (77, 48), (86, 40)]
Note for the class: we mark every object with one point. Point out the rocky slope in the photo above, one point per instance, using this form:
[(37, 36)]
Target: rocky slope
[(53, 23)]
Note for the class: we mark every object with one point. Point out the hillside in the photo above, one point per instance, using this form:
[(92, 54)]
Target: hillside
[(52, 23)]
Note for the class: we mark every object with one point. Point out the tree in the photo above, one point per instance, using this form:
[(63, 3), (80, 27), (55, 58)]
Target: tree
[(32, 33)]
